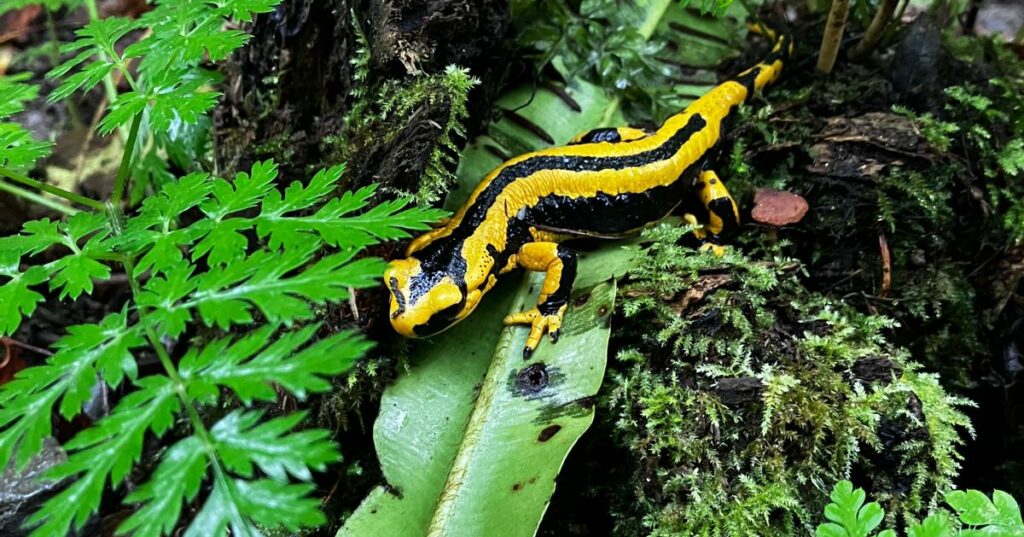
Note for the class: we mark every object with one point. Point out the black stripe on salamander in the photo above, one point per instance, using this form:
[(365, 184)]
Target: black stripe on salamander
[(608, 213), (477, 212)]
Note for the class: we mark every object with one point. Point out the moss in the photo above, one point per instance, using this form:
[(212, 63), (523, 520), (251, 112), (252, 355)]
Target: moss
[(383, 113), (743, 406)]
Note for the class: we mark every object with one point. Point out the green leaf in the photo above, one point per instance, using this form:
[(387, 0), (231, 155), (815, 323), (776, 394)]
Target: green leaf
[(936, 525), (243, 10), (69, 375), (243, 442), (334, 222), (123, 110), (225, 295), (1000, 515), (18, 149), (522, 418), (849, 514), (175, 481), (15, 290), (106, 450), (84, 80), (252, 365), (185, 103), (247, 506)]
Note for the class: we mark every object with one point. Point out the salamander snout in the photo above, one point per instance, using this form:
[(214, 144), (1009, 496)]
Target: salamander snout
[(422, 303)]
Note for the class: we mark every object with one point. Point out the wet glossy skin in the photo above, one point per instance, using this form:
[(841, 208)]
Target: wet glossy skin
[(606, 182)]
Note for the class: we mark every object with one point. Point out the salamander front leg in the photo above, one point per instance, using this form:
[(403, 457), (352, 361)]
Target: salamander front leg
[(559, 264), (723, 213)]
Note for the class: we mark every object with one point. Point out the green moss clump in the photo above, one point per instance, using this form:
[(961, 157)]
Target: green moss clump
[(383, 111), (742, 407)]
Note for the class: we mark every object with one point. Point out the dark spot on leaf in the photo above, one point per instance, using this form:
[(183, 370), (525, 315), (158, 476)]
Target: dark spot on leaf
[(393, 490), (582, 299), (534, 381), (517, 487), (602, 311), (548, 432)]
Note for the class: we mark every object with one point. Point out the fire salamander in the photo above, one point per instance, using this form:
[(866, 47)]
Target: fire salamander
[(604, 183)]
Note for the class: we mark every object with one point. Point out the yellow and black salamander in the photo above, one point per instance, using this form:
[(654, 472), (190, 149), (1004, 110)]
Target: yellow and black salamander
[(605, 182)]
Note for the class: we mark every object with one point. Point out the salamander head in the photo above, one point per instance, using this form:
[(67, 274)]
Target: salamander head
[(425, 300)]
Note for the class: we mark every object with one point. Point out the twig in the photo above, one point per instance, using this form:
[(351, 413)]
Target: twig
[(875, 30), (833, 35), (883, 245), (10, 341)]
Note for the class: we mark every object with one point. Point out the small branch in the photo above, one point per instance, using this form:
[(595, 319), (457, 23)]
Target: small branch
[(833, 35), (126, 161), (36, 198), (883, 246), (50, 189), (875, 30)]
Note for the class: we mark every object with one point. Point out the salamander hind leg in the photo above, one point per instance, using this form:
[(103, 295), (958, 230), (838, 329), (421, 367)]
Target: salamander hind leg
[(723, 213), (559, 264)]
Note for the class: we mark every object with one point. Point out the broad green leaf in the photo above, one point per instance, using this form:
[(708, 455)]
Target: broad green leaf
[(936, 525), (492, 452), (849, 515), (998, 516)]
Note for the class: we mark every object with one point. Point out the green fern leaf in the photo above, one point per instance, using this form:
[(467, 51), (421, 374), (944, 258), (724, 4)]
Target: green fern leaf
[(245, 442)]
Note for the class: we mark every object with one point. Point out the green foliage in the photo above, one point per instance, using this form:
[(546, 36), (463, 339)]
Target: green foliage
[(975, 513), (991, 120), (251, 260), (850, 516), (170, 92), (635, 49), (702, 324), (18, 150)]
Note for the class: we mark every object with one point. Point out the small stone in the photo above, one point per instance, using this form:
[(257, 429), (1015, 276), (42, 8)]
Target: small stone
[(778, 207)]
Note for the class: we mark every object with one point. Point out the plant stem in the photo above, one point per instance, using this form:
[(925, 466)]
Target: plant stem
[(108, 81), (875, 30), (833, 35), (36, 198), (180, 385), (126, 161), (50, 189)]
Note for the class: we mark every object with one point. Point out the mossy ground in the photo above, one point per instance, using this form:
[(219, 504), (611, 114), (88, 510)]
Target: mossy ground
[(744, 386)]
